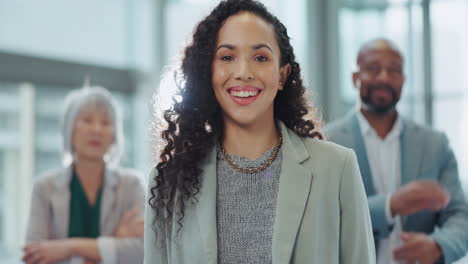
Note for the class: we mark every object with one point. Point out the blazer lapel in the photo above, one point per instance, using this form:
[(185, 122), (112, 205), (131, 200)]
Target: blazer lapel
[(206, 211), (411, 156), (108, 200), (294, 187), (60, 203), (361, 153)]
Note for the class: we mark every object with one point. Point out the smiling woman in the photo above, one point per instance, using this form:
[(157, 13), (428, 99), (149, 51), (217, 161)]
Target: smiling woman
[(234, 180), (246, 69), (90, 210)]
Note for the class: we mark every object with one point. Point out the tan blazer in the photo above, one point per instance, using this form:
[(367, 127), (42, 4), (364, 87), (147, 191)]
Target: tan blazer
[(322, 214), (50, 210)]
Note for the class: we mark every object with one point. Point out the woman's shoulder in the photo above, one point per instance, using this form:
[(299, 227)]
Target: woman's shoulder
[(50, 181), (50, 176), (326, 150), (329, 160), (126, 172), (127, 175)]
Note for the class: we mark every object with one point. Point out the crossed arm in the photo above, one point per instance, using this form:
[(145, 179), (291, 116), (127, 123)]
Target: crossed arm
[(41, 248)]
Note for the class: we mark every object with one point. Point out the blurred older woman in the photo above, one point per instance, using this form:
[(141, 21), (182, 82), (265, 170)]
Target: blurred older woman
[(90, 210)]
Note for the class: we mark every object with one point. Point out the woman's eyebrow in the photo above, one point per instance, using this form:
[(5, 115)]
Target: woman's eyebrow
[(261, 45), (254, 47), (227, 46)]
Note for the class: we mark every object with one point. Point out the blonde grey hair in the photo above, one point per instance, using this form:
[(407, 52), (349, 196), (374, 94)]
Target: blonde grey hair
[(93, 97)]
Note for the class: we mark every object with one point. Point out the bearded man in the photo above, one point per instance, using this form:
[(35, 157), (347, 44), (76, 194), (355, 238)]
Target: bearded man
[(418, 209)]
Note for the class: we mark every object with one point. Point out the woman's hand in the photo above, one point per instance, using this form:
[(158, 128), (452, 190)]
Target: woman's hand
[(131, 225), (48, 251)]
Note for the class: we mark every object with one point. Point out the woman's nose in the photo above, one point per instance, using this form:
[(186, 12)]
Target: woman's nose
[(244, 71)]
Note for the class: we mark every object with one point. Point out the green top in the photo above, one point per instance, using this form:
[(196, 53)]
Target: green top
[(84, 218)]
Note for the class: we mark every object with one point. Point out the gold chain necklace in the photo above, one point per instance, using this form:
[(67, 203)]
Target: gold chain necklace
[(265, 165)]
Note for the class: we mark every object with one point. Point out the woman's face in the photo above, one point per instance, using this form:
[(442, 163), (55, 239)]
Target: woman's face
[(246, 72), (93, 134)]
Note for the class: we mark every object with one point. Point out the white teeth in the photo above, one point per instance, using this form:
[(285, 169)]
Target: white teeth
[(244, 93)]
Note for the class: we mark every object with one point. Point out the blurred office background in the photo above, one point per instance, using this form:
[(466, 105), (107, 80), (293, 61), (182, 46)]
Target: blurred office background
[(48, 47)]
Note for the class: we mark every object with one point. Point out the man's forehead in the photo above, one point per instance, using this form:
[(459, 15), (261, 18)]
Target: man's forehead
[(380, 54)]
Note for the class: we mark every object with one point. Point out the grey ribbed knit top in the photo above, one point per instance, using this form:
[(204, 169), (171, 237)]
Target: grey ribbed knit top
[(245, 209)]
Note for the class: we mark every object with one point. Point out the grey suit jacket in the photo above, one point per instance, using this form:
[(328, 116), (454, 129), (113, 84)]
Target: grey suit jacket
[(50, 209), (425, 154), (321, 216)]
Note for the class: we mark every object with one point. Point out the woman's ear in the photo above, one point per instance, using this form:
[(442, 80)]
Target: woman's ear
[(284, 74)]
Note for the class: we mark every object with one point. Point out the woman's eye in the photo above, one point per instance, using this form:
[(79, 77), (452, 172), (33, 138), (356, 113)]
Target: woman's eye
[(261, 58), (227, 58)]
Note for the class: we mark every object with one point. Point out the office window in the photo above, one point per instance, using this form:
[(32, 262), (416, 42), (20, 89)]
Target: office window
[(9, 164), (48, 137), (450, 80), (2, 205), (400, 22)]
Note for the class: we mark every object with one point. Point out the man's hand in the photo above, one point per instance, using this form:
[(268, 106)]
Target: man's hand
[(131, 225), (417, 196), (417, 248), (49, 251)]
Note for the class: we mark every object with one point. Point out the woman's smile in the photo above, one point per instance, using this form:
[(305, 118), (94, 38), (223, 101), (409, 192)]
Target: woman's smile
[(244, 95)]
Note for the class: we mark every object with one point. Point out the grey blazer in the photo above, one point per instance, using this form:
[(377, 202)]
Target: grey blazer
[(425, 154), (321, 216), (50, 207)]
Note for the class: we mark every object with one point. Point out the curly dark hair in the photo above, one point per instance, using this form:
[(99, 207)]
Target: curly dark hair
[(195, 122)]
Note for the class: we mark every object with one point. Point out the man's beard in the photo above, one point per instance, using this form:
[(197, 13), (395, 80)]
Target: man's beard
[(376, 107)]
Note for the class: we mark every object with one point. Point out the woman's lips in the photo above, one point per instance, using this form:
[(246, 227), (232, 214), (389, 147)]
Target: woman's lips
[(95, 143), (244, 95)]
